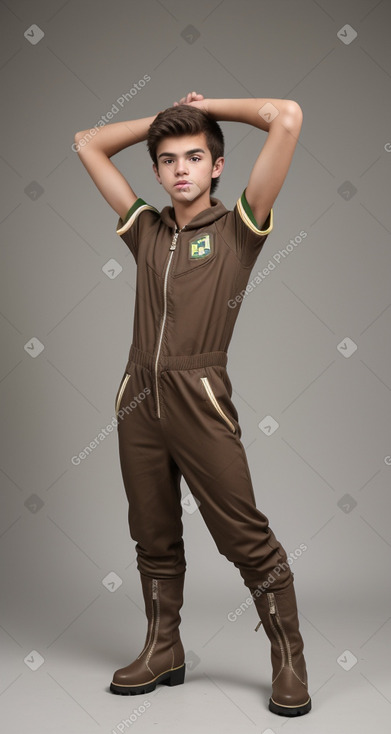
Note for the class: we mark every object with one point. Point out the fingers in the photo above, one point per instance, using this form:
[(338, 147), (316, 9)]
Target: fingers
[(190, 97), (194, 96)]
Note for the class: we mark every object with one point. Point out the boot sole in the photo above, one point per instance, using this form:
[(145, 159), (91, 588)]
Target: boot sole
[(173, 677), (277, 708)]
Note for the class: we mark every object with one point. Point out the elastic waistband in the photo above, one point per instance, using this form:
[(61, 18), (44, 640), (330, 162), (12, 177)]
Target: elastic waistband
[(180, 362)]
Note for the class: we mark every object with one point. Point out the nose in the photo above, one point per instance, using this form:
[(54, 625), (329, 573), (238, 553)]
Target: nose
[(180, 166)]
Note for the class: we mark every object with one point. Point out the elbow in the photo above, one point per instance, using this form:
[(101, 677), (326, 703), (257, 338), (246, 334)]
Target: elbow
[(79, 141), (292, 116), (84, 138), (76, 139), (293, 108)]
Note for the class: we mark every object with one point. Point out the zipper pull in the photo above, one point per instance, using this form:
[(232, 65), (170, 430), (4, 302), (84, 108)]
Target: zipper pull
[(272, 606), (175, 237), (258, 626), (154, 589)]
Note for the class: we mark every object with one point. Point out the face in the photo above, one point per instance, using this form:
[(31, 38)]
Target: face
[(185, 166)]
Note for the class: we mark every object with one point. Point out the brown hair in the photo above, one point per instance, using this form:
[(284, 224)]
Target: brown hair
[(186, 120)]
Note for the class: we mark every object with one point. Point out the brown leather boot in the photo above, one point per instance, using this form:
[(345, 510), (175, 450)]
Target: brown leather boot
[(162, 659), (278, 614)]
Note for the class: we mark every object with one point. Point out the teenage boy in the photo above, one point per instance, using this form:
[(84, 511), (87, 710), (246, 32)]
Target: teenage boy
[(193, 259)]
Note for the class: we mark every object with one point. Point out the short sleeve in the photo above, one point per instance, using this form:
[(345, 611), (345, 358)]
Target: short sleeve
[(129, 228), (249, 238)]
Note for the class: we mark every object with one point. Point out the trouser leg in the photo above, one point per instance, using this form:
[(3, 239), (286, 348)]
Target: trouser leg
[(152, 482), (213, 462)]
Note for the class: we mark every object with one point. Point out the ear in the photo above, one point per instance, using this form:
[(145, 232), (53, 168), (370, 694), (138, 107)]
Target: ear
[(156, 172), (218, 167)]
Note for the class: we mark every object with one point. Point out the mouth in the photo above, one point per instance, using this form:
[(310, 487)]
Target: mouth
[(182, 183)]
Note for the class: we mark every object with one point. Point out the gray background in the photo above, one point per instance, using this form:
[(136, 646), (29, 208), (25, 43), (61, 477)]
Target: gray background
[(322, 478)]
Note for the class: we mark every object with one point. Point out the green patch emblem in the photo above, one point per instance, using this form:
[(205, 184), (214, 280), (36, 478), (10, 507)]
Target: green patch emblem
[(201, 246)]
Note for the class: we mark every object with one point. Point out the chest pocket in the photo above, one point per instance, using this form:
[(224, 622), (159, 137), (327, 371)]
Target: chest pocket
[(196, 252)]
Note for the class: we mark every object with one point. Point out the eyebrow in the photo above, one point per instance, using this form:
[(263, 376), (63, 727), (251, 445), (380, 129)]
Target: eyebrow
[(188, 152)]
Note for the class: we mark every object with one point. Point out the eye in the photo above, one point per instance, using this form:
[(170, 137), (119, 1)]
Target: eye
[(167, 160), (195, 157)]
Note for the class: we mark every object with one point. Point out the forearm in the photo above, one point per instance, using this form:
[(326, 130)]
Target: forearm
[(114, 136), (250, 111)]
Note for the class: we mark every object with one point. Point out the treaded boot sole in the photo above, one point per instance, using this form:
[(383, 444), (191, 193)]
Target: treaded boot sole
[(173, 677), (277, 708)]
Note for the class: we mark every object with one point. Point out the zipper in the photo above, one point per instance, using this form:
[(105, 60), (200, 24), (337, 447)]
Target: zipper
[(279, 631), (154, 588), (121, 392), (272, 603), (212, 397), (156, 619), (151, 626), (172, 248)]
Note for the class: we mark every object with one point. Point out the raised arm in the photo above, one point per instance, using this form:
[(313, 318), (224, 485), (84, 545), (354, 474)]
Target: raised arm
[(95, 148), (282, 120)]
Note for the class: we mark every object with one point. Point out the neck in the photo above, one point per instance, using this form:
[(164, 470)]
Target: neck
[(185, 211)]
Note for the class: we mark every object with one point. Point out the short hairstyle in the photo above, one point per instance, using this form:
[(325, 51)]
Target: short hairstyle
[(186, 120)]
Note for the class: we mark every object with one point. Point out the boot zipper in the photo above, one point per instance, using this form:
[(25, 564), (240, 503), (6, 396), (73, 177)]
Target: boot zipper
[(272, 605), (148, 640), (154, 588), (279, 631), (172, 248), (156, 619)]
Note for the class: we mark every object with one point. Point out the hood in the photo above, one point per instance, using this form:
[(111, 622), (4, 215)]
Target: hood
[(202, 219)]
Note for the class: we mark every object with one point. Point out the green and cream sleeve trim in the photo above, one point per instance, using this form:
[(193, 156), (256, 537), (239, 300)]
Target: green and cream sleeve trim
[(138, 207), (246, 214)]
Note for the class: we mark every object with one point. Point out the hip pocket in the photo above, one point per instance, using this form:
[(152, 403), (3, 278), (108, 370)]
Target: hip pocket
[(215, 403), (121, 391)]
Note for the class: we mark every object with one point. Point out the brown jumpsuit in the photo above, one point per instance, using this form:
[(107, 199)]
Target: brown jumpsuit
[(174, 409)]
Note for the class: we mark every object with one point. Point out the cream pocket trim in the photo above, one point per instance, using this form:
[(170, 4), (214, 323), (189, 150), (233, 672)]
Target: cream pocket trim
[(213, 399), (121, 392)]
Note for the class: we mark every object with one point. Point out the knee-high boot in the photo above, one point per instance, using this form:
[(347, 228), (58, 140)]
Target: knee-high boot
[(162, 658), (278, 614)]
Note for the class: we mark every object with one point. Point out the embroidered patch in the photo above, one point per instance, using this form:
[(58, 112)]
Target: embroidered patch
[(201, 246)]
